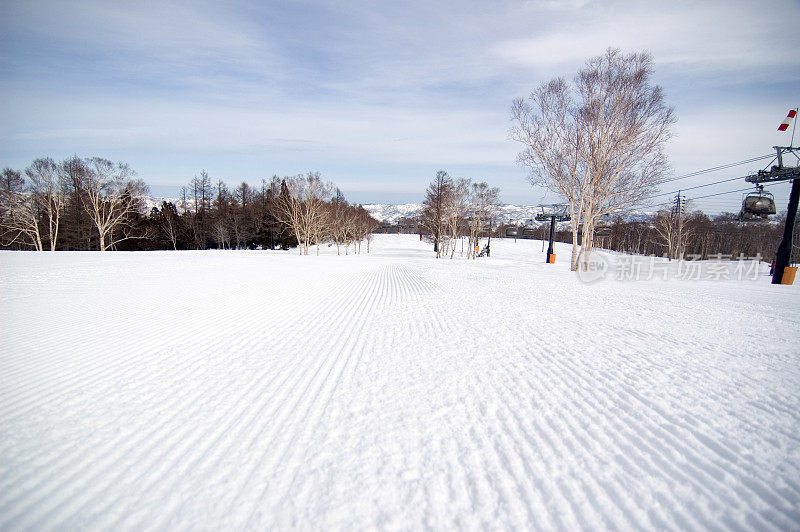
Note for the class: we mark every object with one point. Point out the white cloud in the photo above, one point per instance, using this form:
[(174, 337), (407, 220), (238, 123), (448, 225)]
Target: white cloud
[(713, 37), (365, 133), (721, 134), (153, 39)]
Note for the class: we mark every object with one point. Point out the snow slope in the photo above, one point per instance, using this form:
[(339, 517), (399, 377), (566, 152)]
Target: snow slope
[(252, 390)]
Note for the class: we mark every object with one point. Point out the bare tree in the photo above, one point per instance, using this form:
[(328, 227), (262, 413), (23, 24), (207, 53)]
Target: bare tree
[(168, 223), (111, 198), (353, 228), (433, 210), (598, 144), (268, 219), (340, 219), (78, 228), (315, 216), (20, 216), (301, 207), (201, 198), (483, 202), (666, 227), (455, 209), (221, 233), (364, 225), (10, 182), (243, 218), (548, 128), (48, 191)]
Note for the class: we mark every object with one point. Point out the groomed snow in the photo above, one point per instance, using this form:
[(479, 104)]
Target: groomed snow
[(254, 390)]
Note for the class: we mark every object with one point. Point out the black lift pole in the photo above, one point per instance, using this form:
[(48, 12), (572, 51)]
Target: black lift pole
[(552, 232), (784, 252)]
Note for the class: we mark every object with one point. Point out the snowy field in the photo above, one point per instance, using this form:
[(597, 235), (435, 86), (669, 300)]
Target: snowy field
[(254, 390)]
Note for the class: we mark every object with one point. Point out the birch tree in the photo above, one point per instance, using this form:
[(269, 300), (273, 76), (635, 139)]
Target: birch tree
[(111, 198), (666, 228), (20, 216), (341, 221), (598, 143), (483, 202), (301, 207), (456, 203), (365, 224), (48, 187)]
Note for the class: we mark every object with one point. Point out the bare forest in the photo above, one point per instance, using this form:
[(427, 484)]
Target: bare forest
[(461, 216), (456, 208), (94, 204)]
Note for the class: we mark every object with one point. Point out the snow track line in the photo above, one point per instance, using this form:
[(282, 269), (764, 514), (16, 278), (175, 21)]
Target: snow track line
[(354, 343), (636, 470), (541, 437), (264, 398), (207, 440), (129, 330), (67, 381), (682, 450), (351, 324), (575, 429), (564, 499), (701, 465), (575, 418), (145, 437), (267, 396), (134, 444), (112, 452), (312, 381), (382, 289), (502, 458)]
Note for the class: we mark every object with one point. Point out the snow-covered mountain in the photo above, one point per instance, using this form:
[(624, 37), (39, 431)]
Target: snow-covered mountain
[(383, 212), (509, 214), (151, 201), (392, 213)]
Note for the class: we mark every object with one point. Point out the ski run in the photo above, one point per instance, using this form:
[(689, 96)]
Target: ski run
[(254, 390)]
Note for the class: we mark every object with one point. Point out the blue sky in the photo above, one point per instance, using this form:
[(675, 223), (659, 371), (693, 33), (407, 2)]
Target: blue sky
[(376, 96)]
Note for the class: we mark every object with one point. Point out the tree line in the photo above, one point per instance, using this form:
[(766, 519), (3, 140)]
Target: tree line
[(94, 204), (702, 237), (455, 209)]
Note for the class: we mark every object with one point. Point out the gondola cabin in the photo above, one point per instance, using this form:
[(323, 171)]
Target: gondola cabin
[(757, 204)]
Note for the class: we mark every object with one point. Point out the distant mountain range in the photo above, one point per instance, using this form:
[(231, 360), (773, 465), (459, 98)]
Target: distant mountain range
[(383, 212), (508, 214)]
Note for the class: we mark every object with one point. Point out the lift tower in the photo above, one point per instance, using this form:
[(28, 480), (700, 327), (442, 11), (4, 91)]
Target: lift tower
[(773, 175), (557, 212)]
